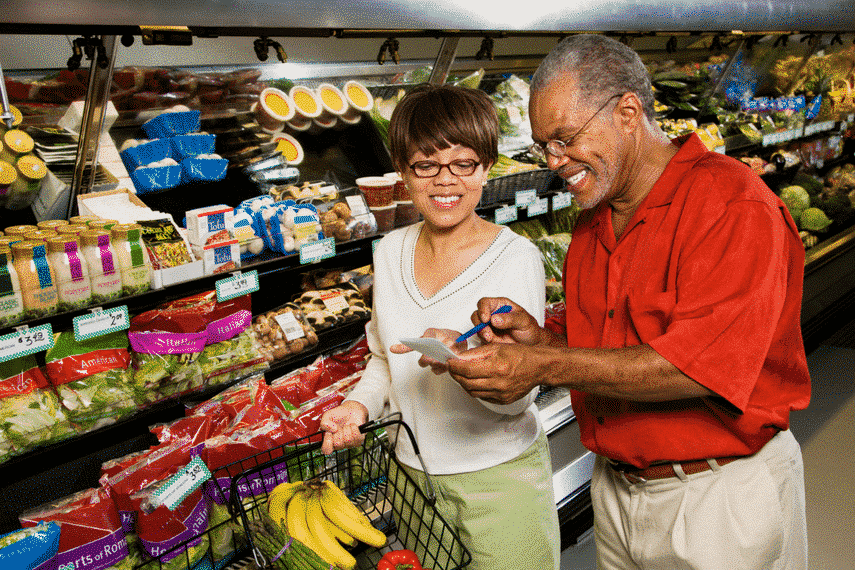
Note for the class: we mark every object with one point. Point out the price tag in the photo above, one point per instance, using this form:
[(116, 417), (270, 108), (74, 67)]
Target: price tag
[(187, 480), (289, 325), (101, 322), (335, 302), (525, 197), (357, 205), (26, 341), (237, 285), (538, 207), (317, 250), (374, 245), (506, 215)]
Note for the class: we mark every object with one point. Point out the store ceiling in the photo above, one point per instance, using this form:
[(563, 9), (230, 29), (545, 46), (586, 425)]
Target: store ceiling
[(226, 17)]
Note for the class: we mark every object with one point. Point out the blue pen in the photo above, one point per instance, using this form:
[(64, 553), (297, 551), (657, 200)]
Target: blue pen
[(476, 328)]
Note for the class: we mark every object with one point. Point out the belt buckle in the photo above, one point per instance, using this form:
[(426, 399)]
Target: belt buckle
[(633, 479)]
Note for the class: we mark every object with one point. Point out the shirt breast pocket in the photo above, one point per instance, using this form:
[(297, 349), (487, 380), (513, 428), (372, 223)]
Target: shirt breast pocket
[(650, 313)]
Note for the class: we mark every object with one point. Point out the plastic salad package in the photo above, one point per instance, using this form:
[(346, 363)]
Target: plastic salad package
[(32, 548), (91, 533), (92, 378), (283, 331), (30, 412)]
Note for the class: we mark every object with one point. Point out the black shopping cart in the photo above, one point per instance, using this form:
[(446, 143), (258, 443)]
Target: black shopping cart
[(371, 477)]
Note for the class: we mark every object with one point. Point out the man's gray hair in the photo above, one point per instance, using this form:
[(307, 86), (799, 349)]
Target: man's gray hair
[(601, 66)]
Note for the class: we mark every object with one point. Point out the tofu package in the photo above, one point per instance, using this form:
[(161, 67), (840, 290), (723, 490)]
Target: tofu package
[(209, 224), (218, 257)]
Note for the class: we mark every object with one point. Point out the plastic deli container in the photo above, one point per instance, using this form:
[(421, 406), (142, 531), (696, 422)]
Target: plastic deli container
[(273, 109), (406, 213), (307, 106), (400, 192), (378, 190), (359, 99), (332, 100), (384, 216), (16, 143), (291, 149)]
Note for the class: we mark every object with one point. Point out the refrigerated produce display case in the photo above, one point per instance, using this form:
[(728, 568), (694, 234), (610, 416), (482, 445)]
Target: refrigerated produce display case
[(219, 133)]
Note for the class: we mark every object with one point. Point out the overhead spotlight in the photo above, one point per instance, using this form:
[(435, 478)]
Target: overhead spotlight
[(92, 48), (390, 46), (486, 49), (263, 44), (782, 40), (671, 45)]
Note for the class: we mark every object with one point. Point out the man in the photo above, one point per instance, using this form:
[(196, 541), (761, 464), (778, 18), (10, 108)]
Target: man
[(681, 341)]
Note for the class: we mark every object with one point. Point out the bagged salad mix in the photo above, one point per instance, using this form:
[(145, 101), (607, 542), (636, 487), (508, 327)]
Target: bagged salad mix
[(32, 548), (91, 534), (30, 412), (92, 378)]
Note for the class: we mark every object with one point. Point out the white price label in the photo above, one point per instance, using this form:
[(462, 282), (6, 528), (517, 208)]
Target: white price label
[(237, 285), (357, 205), (187, 480), (289, 325), (101, 322), (525, 197), (335, 303), (317, 250), (26, 341), (506, 215), (538, 207), (562, 200)]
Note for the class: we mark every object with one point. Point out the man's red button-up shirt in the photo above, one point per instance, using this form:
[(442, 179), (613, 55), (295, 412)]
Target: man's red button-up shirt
[(709, 273)]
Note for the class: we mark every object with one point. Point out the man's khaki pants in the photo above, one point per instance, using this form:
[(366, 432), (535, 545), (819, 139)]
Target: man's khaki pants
[(748, 514)]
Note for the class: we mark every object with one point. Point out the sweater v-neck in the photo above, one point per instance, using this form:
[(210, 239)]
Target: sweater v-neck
[(469, 274)]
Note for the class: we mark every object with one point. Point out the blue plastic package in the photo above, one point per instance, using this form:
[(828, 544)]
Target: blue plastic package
[(30, 548)]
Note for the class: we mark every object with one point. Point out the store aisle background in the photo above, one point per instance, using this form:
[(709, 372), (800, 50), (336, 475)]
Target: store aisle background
[(826, 432)]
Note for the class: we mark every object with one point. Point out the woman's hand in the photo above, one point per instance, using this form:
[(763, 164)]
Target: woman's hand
[(341, 426), (446, 336)]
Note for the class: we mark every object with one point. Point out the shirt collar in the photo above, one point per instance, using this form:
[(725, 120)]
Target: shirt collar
[(691, 149)]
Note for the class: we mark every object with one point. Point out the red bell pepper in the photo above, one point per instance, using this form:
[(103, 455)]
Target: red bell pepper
[(400, 560)]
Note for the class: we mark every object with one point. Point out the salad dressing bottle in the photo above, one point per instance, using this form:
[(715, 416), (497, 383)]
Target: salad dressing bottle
[(11, 301), (74, 288), (104, 270), (38, 286), (133, 258)]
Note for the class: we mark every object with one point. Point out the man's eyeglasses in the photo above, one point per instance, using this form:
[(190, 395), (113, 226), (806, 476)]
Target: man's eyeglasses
[(557, 148), (429, 169)]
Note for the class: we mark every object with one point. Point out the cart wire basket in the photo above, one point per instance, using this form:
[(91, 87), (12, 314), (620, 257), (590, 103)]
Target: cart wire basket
[(371, 477), (503, 189)]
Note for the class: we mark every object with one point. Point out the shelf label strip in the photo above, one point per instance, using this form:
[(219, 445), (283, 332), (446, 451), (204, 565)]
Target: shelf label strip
[(237, 285), (317, 250), (26, 341), (101, 322)]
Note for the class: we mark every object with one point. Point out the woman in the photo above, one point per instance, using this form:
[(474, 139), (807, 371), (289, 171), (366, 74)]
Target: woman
[(489, 464)]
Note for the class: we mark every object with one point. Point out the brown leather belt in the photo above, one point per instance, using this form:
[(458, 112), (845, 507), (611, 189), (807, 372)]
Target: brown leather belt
[(665, 470)]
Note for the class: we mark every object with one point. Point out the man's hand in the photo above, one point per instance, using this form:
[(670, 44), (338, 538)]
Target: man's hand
[(516, 326), (499, 373), (446, 336), (341, 426)]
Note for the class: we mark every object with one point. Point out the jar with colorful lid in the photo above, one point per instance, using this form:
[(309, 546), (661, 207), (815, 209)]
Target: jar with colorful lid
[(11, 301), (82, 219), (38, 285), (71, 229), (19, 230), (133, 258), (102, 224), (22, 192), (15, 144), (39, 235), (74, 288), (8, 175), (103, 264), (51, 224)]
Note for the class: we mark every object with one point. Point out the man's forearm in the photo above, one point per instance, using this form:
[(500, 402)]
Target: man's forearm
[(633, 373)]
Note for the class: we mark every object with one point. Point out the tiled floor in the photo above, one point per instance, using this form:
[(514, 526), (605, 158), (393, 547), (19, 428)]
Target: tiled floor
[(826, 432)]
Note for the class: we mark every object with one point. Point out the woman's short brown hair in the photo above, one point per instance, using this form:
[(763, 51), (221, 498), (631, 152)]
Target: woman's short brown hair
[(435, 117)]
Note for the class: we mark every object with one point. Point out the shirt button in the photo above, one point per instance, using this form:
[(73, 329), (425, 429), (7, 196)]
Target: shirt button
[(601, 420), (611, 313)]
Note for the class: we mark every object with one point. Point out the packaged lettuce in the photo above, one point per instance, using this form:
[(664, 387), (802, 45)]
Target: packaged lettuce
[(30, 413), (92, 378), (30, 548), (176, 537), (91, 536)]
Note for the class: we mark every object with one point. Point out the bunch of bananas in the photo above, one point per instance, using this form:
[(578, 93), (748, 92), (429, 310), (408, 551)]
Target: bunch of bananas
[(320, 516)]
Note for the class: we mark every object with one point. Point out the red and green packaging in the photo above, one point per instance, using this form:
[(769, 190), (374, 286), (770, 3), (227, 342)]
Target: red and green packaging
[(176, 537), (91, 534), (92, 378)]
